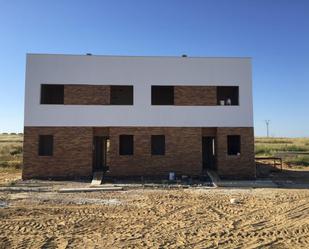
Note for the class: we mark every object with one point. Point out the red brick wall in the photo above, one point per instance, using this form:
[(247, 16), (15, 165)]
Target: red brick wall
[(72, 154), (233, 166), (86, 95), (183, 152), (195, 95), (100, 95), (209, 131)]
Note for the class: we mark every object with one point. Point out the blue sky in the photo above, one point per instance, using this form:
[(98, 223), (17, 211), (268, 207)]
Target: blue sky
[(275, 33)]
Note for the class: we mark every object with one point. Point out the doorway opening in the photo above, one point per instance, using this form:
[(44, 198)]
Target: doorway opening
[(100, 153), (209, 152)]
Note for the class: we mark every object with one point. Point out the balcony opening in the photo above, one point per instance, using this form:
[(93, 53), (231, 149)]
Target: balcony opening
[(228, 95), (52, 94), (121, 95), (162, 95)]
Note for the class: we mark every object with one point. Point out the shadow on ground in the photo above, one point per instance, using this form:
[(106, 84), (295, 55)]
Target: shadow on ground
[(287, 177)]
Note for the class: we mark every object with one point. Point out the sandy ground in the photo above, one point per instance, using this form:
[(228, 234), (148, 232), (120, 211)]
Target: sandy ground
[(154, 218), (184, 218)]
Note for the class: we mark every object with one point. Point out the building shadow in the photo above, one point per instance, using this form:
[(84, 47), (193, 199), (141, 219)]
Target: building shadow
[(288, 177)]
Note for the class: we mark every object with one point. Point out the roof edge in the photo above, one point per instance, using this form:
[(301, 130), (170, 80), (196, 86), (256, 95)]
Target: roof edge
[(144, 56)]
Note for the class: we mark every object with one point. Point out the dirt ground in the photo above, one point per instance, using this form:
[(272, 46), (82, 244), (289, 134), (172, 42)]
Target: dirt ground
[(144, 218), (153, 218)]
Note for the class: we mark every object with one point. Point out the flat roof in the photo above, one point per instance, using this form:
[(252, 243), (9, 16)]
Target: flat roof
[(147, 56)]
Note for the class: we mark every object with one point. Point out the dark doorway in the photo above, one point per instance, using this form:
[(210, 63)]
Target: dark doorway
[(100, 149), (209, 153)]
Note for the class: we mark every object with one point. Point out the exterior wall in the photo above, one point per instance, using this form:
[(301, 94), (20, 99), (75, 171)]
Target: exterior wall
[(195, 81), (209, 131), (142, 73), (183, 152), (72, 153), (86, 95), (195, 95), (72, 157), (101, 131), (233, 166)]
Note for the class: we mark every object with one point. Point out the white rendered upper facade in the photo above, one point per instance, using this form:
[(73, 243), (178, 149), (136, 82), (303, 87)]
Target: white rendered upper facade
[(142, 73)]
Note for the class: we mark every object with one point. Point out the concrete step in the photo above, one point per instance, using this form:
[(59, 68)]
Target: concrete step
[(214, 177), (206, 179), (97, 178)]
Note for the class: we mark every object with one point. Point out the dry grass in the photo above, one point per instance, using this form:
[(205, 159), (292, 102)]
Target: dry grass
[(293, 147), (11, 148), (9, 175)]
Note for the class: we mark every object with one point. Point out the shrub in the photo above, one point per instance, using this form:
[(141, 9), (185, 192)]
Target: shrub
[(16, 150), (4, 164), (262, 150), (293, 148), (298, 160)]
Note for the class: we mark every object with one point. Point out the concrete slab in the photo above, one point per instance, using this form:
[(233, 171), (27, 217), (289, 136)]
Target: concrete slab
[(291, 185), (240, 183), (73, 190), (248, 184)]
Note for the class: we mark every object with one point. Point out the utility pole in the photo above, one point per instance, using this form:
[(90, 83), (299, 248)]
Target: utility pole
[(267, 126)]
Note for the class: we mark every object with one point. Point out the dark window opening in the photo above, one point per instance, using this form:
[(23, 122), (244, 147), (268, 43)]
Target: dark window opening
[(157, 145), (46, 145), (162, 95), (126, 145), (228, 95), (121, 95), (52, 94), (233, 145)]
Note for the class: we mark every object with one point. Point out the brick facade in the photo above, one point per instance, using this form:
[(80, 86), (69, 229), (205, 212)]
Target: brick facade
[(72, 157), (183, 153), (100, 95), (86, 95), (231, 166), (195, 95), (72, 153)]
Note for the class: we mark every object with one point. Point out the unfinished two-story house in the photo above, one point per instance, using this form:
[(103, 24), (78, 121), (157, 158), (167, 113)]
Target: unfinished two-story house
[(137, 116)]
